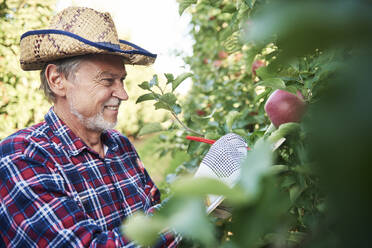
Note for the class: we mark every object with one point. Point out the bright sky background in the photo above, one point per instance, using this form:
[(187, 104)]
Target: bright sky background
[(154, 25)]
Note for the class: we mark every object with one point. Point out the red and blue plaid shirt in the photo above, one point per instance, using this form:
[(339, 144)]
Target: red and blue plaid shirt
[(56, 191)]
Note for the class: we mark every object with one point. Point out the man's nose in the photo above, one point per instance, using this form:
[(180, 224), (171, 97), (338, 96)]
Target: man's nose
[(120, 92)]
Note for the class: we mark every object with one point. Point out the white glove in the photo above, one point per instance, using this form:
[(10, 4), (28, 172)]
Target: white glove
[(222, 162)]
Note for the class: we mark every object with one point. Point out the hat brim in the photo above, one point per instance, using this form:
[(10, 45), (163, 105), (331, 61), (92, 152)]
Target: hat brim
[(42, 46)]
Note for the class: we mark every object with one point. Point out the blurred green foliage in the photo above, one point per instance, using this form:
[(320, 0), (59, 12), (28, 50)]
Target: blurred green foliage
[(314, 191), (148, 148), (21, 103)]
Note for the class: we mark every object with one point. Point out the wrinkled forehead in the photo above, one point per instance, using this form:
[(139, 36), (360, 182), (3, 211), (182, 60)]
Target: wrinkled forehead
[(103, 64)]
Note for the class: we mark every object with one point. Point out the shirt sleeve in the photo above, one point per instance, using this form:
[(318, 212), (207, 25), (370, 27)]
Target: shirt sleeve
[(38, 210), (167, 239)]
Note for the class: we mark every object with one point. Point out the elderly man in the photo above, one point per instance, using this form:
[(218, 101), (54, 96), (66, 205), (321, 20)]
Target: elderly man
[(71, 180)]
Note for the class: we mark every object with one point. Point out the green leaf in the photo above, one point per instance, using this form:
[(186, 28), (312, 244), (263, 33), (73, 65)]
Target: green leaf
[(232, 43), (284, 130), (274, 83), (229, 8), (150, 128), (294, 193), (205, 186), (230, 118), (264, 73), (170, 77), (255, 166), (185, 215), (144, 85), (145, 97), (191, 220), (162, 105), (184, 4), (297, 237), (287, 182), (292, 89), (212, 135), (193, 147), (231, 28), (143, 229), (249, 3), (278, 168), (168, 98), (180, 79), (200, 121)]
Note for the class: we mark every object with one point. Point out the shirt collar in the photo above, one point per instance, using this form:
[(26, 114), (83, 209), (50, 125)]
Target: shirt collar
[(108, 138), (70, 141)]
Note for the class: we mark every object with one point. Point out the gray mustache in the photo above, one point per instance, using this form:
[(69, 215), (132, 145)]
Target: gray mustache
[(113, 101)]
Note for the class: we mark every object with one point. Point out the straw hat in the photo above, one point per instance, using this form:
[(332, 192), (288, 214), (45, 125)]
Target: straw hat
[(78, 31)]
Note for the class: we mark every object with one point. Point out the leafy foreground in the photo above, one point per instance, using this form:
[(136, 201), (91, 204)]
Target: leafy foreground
[(314, 191)]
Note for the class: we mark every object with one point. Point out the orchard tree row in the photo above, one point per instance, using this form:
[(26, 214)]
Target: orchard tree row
[(21, 103), (268, 70)]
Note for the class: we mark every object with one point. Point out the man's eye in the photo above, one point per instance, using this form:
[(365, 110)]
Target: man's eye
[(109, 80)]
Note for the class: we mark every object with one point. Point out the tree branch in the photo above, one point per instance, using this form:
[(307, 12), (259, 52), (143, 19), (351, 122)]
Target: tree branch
[(186, 127)]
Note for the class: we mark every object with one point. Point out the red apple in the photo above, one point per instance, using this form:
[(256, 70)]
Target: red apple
[(283, 107), (222, 54), (257, 64), (200, 112)]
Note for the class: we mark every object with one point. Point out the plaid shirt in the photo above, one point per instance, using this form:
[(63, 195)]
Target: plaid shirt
[(56, 191)]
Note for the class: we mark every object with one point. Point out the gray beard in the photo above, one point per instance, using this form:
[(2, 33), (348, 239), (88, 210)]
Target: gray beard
[(95, 123)]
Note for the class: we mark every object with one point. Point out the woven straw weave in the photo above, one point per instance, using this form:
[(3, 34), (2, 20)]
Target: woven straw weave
[(37, 49)]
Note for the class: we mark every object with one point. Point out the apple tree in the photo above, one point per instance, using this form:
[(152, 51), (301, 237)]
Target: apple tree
[(298, 196)]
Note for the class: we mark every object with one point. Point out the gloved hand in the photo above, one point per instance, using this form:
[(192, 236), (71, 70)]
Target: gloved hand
[(223, 159), (222, 162)]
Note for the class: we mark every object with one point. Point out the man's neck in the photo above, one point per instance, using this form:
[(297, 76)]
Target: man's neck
[(92, 138)]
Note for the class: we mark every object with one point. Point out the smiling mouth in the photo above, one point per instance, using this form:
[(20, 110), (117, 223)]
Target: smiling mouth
[(115, 108)]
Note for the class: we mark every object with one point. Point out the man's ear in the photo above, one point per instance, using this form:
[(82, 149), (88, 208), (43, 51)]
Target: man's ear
[(56, 80)]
